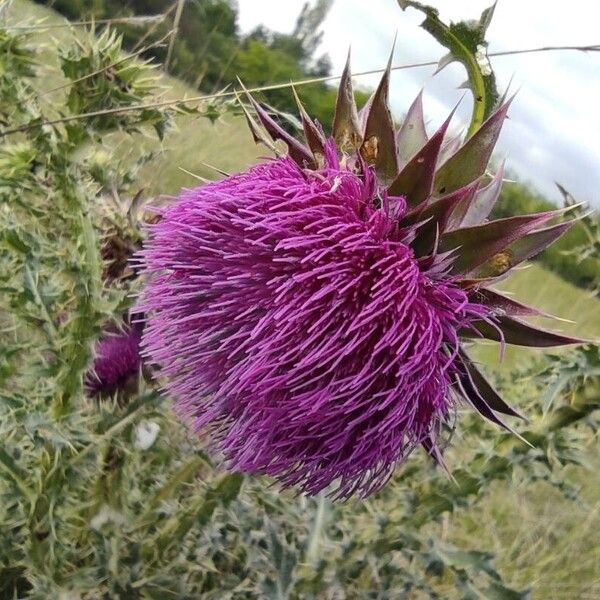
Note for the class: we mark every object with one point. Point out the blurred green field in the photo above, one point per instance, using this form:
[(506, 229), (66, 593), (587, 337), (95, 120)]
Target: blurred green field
[(541, 540)]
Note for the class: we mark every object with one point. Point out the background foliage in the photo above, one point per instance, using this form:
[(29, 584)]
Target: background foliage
[(91, 507), (210, 52)]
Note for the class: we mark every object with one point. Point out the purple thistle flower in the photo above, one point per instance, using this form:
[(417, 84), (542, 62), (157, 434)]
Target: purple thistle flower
[(292, 317), (309, 312), (117, 362)]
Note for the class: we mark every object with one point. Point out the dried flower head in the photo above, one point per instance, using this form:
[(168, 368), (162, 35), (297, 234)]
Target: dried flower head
[(309, 312)]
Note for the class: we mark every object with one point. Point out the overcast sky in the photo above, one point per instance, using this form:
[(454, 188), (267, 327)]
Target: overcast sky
[(554, 127)]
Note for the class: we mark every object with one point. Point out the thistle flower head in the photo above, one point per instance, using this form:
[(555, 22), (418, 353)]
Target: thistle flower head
[(309, 312), (117, 362)]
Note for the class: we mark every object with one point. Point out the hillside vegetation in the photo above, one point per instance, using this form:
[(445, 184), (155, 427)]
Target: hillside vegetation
[(194, 141), (210, 52)]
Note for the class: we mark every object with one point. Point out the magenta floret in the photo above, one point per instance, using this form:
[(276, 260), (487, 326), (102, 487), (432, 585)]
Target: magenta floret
[(117, 361)]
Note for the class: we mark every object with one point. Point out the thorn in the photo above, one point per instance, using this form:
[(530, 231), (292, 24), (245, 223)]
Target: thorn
[(562, 319), (244, 89), (296, 97), (577, 205), (393, 48), (503, 98), (520, 437), (199, 177), (221, 172)]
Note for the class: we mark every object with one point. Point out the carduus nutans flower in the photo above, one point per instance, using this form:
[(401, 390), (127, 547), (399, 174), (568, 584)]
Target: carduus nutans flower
[(117, 361), (310, 312)]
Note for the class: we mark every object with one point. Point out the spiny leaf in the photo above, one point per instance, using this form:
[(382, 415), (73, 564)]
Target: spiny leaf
[(433, 450), (471, 160), (473, 559), (259, 135), (449, 147), (412, 135), (444, 62), (466, 42), (14, 472), (379, 142), (485, 389), (15, 240), (346, 129), (284, 560), (229, 488), (502, 304), (415, 180), (471, 394), (497, 591), (435, 218), (186, 472)]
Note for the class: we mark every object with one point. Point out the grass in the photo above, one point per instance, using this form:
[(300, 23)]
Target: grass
[(541, 540)]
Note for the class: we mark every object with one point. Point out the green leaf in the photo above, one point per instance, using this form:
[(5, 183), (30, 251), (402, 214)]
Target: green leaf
[(16, 242), (466, 44), (185, 473), (472, 559), (284, 559), (12, 401), (10, 468), (229, 488), (497, 591), (205, 513), (14, 582), (555, 390)]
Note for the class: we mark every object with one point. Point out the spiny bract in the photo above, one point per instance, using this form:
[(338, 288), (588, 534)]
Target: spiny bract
[(308, 313)]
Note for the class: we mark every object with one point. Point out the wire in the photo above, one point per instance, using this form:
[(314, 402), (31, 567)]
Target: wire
[(277, 86), (119, 20)]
